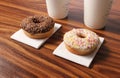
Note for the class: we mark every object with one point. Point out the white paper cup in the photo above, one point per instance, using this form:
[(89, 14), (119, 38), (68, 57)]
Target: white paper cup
[(96, 12), (57, 9)]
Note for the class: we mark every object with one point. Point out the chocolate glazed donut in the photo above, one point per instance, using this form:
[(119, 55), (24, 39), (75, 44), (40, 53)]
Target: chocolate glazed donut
[(38, 26)]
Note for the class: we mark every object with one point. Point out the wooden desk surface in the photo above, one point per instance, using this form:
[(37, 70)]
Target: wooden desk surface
[(18, 60)]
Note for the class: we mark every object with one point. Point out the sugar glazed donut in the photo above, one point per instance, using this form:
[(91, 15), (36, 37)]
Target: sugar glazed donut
[(38, 26), (81, 41)]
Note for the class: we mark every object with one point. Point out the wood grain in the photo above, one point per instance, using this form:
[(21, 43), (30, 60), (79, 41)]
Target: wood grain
[(18, 60)]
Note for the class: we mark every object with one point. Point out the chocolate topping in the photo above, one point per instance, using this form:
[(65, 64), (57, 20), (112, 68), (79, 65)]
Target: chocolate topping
[(37, 24)]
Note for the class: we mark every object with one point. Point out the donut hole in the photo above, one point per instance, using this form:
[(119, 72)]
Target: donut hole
[(81, 35), (35, 20)]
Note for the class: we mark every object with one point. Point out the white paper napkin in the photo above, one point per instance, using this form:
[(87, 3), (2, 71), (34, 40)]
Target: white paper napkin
[(36, 43), (61, 51)]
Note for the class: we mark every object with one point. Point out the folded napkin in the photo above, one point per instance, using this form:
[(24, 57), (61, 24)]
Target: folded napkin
[(61, 51), (36, 43)]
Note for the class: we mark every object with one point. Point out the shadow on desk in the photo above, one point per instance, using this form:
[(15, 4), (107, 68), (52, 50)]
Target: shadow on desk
[(101, 56)]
